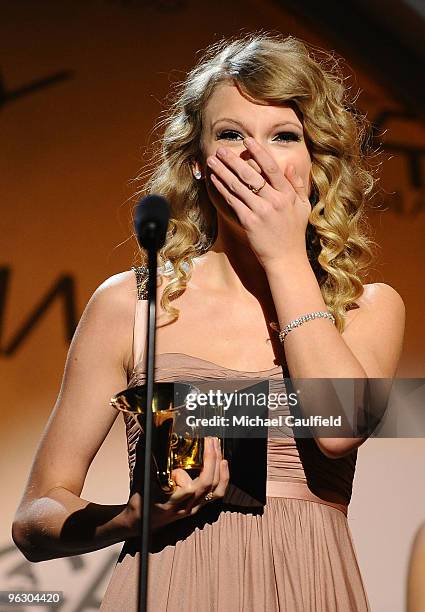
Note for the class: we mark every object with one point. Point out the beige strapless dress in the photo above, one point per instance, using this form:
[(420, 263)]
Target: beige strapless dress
[(294, 553)]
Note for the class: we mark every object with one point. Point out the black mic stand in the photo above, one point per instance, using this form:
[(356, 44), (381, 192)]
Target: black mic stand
[(151, 221), (147, 459)]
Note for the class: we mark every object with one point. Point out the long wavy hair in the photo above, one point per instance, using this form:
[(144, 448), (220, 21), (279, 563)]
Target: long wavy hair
[(277, 70)]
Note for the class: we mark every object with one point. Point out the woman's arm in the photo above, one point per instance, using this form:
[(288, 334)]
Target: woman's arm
[(369, 347), (52, 520), (62, 524)]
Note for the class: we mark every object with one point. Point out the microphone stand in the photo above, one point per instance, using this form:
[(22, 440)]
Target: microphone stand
[(147, 457)]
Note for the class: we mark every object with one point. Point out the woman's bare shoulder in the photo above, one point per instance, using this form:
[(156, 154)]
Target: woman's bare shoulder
[(374, 294), (375, 331), (383, 290), (113, 304), (120, 287)]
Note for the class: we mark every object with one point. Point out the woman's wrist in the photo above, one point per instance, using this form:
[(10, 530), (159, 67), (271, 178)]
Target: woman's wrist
[(286, 263)]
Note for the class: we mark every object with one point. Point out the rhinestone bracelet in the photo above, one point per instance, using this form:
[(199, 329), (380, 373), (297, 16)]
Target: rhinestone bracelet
[(297, 322)]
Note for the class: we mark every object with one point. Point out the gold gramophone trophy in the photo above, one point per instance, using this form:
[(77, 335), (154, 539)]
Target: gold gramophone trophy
[(175, 444)]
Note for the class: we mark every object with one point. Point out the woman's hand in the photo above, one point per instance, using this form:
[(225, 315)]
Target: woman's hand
[(189, 495), (276, 217)]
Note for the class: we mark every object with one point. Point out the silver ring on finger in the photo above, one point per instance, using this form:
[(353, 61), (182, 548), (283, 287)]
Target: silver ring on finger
[(257, 189), (209, 496)]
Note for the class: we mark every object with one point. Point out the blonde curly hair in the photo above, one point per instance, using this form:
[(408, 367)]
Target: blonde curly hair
[(273, 69)]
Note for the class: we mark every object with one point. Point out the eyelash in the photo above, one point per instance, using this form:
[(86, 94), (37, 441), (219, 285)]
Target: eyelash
[(293, 136)]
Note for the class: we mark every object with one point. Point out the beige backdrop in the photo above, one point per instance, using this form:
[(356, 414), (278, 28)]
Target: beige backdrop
[(68, 152)]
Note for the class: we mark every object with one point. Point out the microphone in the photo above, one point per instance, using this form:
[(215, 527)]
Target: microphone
[(151, 221)]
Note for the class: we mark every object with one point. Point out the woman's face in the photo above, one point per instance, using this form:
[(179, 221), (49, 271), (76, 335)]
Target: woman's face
[(228, 117)]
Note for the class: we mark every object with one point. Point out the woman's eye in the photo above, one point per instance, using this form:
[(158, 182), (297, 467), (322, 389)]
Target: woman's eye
[(288, 136), (228, 135), (281, 137)]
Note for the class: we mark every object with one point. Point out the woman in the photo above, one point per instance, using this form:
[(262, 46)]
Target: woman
[(262, 163)]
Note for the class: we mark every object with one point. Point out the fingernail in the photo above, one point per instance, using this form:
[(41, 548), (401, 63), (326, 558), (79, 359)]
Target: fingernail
[(211, 162), (221, 151), (248, 140)]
